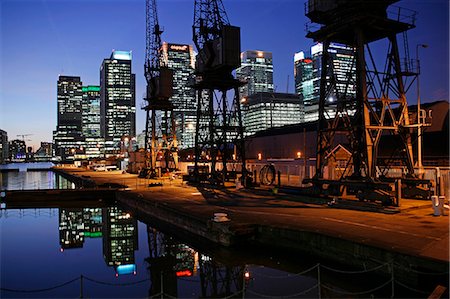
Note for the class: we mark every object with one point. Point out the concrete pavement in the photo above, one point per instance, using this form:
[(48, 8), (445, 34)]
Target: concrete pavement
[(414, 231)]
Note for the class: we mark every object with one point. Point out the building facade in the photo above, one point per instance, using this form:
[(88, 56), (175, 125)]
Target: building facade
[(266, 110), (4, 147), (67, 138), (17, 150), (257, 70), (181, 60), (307, 72), (117, 100), (91, 122)]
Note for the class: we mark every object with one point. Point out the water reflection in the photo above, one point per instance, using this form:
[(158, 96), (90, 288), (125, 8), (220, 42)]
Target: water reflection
[(33, 180), (120, 240), (141, 261)]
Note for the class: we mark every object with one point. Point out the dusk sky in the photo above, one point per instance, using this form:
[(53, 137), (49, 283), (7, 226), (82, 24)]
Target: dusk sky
[(41, 39)]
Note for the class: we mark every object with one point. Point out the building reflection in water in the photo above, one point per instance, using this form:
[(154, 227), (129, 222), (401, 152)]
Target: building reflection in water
[(116, 226), (120, 240), (170, 260), (76, 224), (71, 228)]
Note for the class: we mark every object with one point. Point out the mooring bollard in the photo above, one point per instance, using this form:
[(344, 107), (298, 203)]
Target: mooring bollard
[(437, 205)]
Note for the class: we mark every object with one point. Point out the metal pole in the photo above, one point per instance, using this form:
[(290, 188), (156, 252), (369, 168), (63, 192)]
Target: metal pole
[(318, 281), (392, 279), (419, 121), (81, 286), (162, 286)]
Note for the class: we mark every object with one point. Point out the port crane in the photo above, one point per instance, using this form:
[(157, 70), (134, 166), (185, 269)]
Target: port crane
[(160, 137), (376, 115), (219, 133)]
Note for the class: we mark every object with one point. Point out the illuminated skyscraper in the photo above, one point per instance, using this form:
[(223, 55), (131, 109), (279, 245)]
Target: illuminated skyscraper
[(264, 110), (257, 70), (91, 122), (181, 60), (68, 137), (307, 76), (117, 100)]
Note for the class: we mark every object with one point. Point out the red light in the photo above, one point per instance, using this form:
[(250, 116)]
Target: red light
[(134, 272), (247, 274), (183, 273), (117, 274)]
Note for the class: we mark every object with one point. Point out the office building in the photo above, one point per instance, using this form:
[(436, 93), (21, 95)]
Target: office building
[(4, 147), (67, 138), (257, 70), (17, 150), (117, 100), (307, 72), (44, 152), (91, 122), (266, 110), (181, 60)]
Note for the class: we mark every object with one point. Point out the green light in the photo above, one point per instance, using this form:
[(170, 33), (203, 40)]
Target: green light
[(92, 235), (90, 88)]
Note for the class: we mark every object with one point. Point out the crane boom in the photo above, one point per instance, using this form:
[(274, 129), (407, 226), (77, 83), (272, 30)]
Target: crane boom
[(159, 79), (209, 18)]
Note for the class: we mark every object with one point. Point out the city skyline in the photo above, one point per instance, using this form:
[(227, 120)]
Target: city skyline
[(42, 40)]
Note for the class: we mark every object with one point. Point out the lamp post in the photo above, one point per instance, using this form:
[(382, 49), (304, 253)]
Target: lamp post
[(419, 113)]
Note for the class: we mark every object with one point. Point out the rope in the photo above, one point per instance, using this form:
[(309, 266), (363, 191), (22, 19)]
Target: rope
[(232, 295), (358, 293), (410, 288), (41, 290), (168, 296), (354, 272), (116, 284), (286, 296), (287, 276), (420, 272)]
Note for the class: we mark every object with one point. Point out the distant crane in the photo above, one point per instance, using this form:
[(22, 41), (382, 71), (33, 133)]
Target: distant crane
[(159, 138), (219, 132), (23, 136)]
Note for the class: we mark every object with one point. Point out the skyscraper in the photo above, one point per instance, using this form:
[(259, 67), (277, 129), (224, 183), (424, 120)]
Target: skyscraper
[(264, 110), (91, 122), (117, 100), (4, 147), (181, 60), (307, 76), (257, 70), (68, 135)]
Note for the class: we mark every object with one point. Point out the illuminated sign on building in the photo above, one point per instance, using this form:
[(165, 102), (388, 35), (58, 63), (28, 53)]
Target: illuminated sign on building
[(184, 48), (121, 55)]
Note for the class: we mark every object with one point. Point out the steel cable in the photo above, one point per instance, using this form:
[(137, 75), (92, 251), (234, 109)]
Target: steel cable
[(41, 290), (285, 296), (410, 288), (358, 293), (355, 272), (287, 276), (232, 295), (420, 272), (116, 284)]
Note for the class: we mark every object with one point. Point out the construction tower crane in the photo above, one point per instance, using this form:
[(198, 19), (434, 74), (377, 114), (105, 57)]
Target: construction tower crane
[(219, 132), (23, 136), (160, 138)]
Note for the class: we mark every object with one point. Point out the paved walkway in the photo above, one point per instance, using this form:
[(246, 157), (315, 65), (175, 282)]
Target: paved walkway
[(414, 231)]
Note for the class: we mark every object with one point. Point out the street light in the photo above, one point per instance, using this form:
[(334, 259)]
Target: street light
[(419, 112)]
